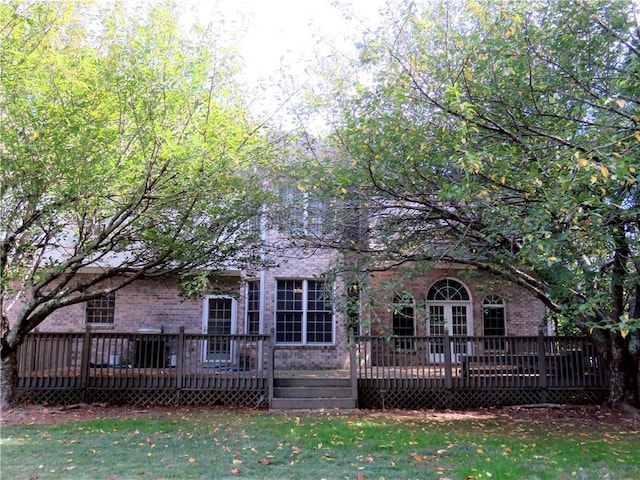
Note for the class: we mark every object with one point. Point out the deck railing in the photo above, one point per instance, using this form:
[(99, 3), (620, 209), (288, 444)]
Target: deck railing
[(173, 363), (191, 368), (482, 362)]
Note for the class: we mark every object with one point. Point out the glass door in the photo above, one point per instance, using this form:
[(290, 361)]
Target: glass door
[(455, 319), (437, 325), (219, 319)]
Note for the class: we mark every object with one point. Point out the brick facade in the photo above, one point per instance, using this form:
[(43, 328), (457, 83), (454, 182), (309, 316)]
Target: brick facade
[(157, 304), (146, 304), (301, 265), (524, 314)]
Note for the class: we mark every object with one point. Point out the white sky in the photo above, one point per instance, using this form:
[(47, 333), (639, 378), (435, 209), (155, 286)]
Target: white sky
[(283, 31), (284, 35)]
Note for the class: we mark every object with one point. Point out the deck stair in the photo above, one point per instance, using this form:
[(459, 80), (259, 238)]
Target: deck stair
[(300, 393)]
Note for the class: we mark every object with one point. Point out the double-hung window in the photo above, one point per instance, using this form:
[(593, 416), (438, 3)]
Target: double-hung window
[(101, 310), (304, 314), (494, 325), (303, 213), (403, 320), (252, 325)]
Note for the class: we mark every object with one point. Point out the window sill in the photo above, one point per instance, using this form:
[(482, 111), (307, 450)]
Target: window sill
[(100, 326), (307, 345)]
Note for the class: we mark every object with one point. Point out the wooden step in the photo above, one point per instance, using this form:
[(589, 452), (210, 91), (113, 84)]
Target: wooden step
[(301, 393), (311, 382), (312, 403), (312, 392)]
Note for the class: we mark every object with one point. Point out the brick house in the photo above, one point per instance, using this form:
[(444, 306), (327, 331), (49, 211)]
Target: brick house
[(309, 332), (292, 301)]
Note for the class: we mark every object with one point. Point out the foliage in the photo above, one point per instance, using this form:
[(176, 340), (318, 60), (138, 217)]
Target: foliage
[(504, 136), (126, 151), (229, 444)]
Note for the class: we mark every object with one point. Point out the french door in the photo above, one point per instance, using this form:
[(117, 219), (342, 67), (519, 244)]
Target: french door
[(456, 319), (219, 318)]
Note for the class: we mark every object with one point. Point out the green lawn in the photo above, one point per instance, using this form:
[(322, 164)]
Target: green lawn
[(221, 444)]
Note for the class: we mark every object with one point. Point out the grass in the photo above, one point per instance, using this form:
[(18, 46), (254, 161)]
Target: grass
[(231, 444)]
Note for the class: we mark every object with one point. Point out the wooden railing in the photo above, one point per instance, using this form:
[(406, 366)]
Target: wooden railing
[(455, 362), (190, 368), (143, 361)]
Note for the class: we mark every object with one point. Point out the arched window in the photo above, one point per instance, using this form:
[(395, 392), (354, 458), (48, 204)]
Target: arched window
[(403, 321), (448, 290), (493, 321)]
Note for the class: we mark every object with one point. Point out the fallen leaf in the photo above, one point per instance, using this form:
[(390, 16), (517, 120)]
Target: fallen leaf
[(235, 471), (264, 461)]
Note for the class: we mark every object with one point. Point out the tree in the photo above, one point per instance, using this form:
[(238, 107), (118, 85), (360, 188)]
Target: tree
[(125, 148), (504, 135)]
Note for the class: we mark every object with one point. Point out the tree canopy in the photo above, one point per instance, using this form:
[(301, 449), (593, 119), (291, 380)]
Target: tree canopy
[(126, 148), (504, 135)]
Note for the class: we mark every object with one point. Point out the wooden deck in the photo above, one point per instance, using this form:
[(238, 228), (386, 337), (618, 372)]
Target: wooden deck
[(444, 371)]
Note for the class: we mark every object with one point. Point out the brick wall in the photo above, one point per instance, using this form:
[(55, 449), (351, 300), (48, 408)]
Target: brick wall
[(152, 303), (301, 265), (157, 304), (524, 313)]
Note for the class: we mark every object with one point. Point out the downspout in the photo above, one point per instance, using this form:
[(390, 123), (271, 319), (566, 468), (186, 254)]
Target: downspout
[(262, 275)]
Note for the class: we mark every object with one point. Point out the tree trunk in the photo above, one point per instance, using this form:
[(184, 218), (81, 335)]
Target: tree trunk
[(8, 378), (623, 373)]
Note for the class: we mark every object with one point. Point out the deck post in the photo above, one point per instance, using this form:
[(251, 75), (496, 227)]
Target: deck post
[(85, 359), (270, 365), (353, 372), (180, 364), (542, 363), (448, 367)]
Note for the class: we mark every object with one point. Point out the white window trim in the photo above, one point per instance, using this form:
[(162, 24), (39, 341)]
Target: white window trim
[(305, 291), (503, 306), (205, 322), (260, 305), (450, 303), (101, 324), (234, 312)]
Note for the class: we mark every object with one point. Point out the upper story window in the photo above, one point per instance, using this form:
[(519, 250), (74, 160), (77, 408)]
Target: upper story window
[(101, 310), (303, 213), (304, 314)]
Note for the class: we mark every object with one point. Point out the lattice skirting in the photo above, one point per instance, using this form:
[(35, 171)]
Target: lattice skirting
[(369, 396), (252, 398), (51, 396), (416, 398)]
